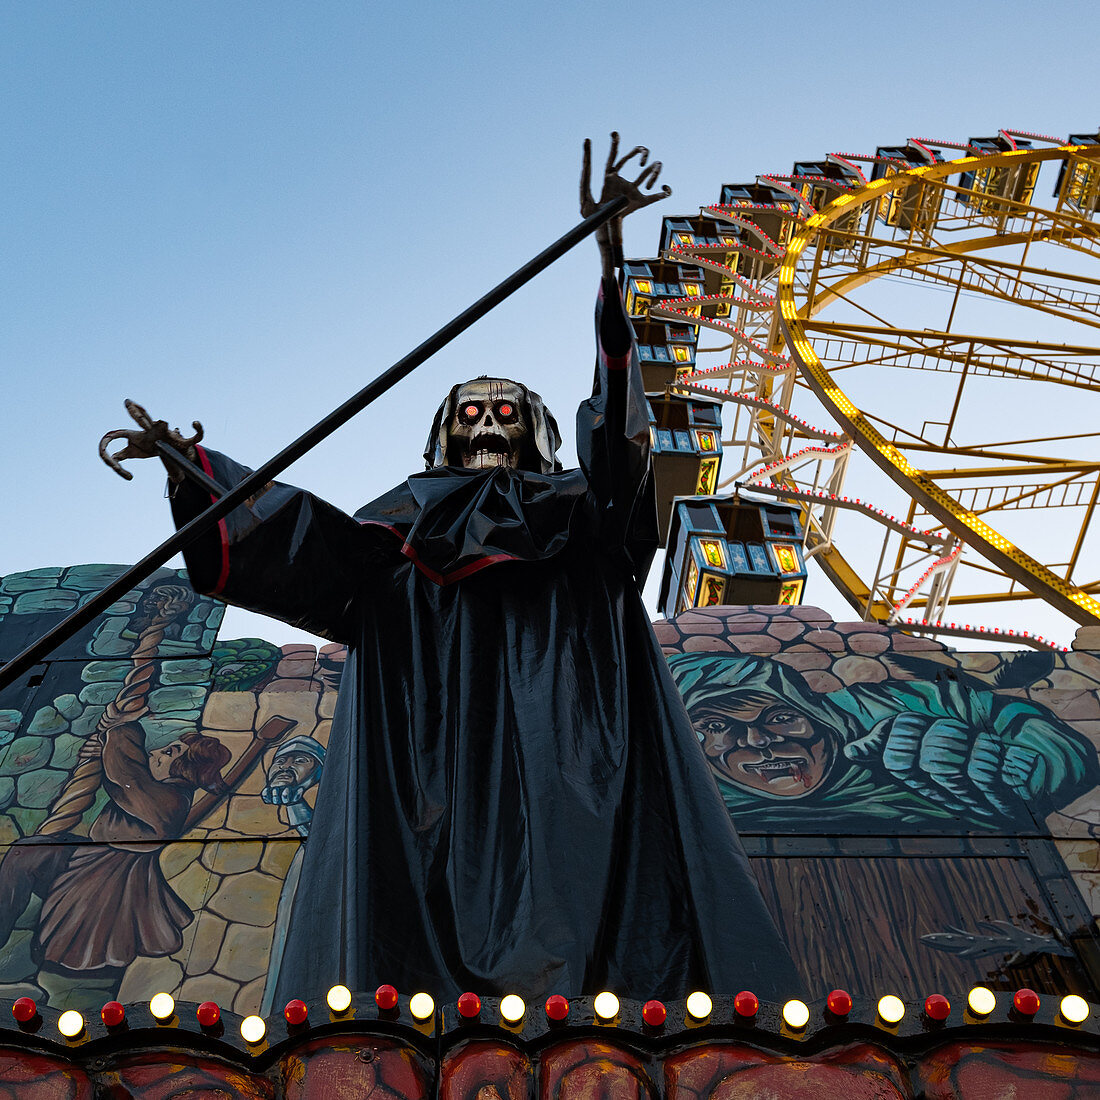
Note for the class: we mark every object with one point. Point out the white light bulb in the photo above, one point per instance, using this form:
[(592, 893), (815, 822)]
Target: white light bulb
[(70, 1024), (981, 1001), (1074, 1009), (891, 1009), (162, 1007), (253, 1029)]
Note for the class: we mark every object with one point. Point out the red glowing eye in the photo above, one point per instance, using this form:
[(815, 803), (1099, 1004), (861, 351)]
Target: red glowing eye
[(471, 411), (505, 410)]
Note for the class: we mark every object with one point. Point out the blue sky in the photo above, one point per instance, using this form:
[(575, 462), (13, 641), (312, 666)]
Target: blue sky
[(240, 212)]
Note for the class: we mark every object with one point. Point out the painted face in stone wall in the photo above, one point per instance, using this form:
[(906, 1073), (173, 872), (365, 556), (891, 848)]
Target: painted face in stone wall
[(293, 769), (763, 743), (488, 427)]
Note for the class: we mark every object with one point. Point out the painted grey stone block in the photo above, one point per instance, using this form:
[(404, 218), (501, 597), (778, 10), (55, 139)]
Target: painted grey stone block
[(47, 722), (40, 789), (194, 671), (31, 580), (54, 599), (26, 754), (177, 697)]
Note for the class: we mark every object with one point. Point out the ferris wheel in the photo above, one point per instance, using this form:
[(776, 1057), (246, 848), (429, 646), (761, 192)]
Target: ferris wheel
[(907, 343)]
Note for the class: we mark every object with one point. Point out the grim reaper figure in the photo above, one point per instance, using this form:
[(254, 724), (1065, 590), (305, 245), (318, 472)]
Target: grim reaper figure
[(513, 797)]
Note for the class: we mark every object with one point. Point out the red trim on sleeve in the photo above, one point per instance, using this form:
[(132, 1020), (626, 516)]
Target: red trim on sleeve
[(223, 530), (615, 362), (439, 578)]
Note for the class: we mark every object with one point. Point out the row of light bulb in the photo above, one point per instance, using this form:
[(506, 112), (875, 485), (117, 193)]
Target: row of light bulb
[(796, 1014), (980, 1001)]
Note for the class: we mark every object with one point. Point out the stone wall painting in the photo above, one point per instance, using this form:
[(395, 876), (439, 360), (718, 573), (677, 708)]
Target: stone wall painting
[(918, 817), (123, 868), (945, 753)]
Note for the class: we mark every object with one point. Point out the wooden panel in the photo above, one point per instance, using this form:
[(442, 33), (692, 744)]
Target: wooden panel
[(858, 923)]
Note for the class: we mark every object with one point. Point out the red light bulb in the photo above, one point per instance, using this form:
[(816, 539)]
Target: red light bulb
[(295, 1012), (654, 1013), (557, 1007), (24, 1010), (1026, 1002), (746, 1004), (385, 996), (112, 1014), (469, 1005), (208, 1013), (937, 1007), (839, 1002)]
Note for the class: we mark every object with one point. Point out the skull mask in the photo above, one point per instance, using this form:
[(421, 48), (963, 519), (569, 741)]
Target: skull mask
[(489, 423), (488, 426)]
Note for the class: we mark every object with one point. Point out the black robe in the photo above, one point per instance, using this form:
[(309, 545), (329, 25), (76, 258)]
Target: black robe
[(513, 797)]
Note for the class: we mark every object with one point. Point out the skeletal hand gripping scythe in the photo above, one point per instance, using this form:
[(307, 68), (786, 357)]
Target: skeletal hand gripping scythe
[(228, 499)]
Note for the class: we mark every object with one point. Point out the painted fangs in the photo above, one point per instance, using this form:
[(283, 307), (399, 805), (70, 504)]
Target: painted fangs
[(780, 764)]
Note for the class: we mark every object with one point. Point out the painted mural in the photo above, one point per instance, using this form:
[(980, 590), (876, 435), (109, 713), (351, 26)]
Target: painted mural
[(918, 817), (156, 786)]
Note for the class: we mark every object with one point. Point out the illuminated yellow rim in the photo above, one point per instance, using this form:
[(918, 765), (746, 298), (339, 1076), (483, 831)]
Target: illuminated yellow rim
[(1071, 600)]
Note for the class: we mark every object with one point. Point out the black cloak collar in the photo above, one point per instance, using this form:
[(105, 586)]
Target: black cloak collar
[(452, 521)]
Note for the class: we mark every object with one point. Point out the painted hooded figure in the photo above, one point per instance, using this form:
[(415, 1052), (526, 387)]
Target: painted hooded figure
[(513, 798), (892, 755)]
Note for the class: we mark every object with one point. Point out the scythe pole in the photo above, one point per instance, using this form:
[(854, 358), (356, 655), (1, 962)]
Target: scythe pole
[(231, 498)]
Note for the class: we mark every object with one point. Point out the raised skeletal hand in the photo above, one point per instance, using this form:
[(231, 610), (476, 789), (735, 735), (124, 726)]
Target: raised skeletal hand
[(610, 236), (142, 441)]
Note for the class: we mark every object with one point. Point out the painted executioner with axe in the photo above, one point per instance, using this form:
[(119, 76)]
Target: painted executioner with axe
[(513, 797)]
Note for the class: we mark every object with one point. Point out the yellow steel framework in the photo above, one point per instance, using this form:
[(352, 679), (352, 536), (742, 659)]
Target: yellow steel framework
[(970, 227), (843, 246)]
